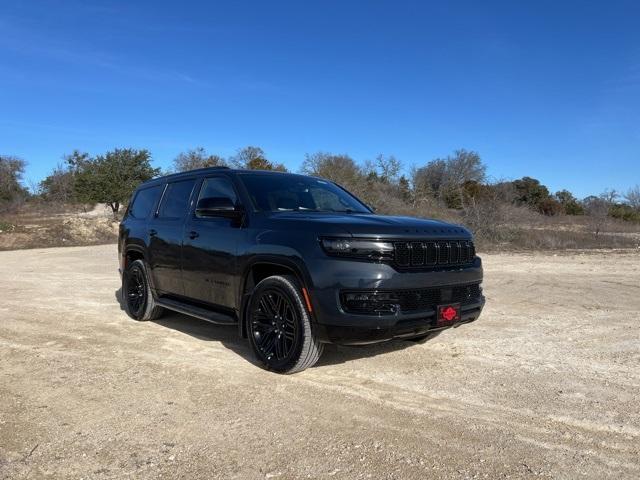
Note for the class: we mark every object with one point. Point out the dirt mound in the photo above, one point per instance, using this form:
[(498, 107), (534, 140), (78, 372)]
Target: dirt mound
[(88, 230), (34, 229)]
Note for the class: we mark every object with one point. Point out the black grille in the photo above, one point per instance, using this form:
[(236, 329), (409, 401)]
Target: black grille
[(410, 300), (433, 254), (402, 253), (415, 300)]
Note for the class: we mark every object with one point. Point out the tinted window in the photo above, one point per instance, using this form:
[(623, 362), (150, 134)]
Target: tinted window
[(175, 201), (144, 202), (218, 187), (279, 193)]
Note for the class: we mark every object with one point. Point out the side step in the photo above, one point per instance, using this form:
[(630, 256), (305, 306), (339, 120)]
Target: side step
[(193, 311)]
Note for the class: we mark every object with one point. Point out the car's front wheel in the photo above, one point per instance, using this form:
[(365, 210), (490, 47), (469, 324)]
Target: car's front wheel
[(279, 326), (136, 293)]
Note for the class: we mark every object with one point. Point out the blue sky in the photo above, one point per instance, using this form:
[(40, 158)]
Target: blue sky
[(541, 88)]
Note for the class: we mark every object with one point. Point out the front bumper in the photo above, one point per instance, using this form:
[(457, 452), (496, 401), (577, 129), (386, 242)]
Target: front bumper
[(335, 325), (372, 331)]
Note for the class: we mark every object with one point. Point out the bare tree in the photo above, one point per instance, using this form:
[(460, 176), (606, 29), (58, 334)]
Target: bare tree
[(11, 189), (445, 178), (253, 158), (465, 166), (610, 196), (388, 168), (341, 169), (429, 179), (633, 197), (597, 210), (488, 210), (58, 186), (196, 158)]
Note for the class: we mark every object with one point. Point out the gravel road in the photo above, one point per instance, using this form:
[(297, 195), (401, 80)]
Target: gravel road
[(546, 384)]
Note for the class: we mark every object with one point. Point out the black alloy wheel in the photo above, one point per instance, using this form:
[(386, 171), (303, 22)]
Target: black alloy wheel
[(275, 326), (279, 326), (136, 294)]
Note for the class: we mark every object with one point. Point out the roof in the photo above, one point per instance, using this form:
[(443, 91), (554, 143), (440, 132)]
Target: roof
[(205, 170)]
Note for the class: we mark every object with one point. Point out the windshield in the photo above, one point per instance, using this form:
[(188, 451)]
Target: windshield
[(293, 193)]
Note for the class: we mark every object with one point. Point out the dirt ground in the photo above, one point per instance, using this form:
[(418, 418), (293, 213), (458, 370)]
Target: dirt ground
[(546, 384)]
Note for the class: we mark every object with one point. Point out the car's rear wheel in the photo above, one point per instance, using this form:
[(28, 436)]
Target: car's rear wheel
[(279, 326), (136, 293)]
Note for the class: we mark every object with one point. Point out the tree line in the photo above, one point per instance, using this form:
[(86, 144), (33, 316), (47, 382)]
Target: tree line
[(457, 182)]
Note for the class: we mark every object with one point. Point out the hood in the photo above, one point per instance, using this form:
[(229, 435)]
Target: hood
[(371, 225)]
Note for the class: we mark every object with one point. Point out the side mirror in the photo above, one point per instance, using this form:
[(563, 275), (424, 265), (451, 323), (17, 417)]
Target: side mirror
[(218, 207)]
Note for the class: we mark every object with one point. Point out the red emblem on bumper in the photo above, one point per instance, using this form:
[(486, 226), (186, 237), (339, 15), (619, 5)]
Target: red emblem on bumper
[(448, 313)]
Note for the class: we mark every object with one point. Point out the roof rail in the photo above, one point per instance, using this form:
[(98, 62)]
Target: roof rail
[(217, 167), (195, 170)]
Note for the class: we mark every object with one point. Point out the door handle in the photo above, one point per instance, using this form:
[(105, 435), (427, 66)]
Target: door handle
[(153, 232), (193, 234)]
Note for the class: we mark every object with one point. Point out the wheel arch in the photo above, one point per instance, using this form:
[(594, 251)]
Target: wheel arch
[(135, 252), (261, 268), (132, 253)]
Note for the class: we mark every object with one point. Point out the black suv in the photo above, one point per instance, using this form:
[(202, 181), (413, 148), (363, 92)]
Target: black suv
[(294, 261)]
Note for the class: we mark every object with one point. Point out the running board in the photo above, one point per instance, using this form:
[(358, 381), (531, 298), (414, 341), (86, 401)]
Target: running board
[(193, 311)]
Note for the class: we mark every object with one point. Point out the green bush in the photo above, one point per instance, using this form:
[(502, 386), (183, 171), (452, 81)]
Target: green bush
[(624, 212), (6, 226)]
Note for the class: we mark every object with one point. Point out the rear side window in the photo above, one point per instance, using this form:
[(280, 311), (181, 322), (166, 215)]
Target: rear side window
[(175, 201), (144, 202)]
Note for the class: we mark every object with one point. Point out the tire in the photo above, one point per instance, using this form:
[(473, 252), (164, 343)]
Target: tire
[(136, 293), (279, 326), (425, 337)]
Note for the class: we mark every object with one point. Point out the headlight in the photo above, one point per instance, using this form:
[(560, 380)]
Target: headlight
[(365, 249)]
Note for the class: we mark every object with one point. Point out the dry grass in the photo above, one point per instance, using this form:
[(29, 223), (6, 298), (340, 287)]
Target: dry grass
[(507, 227), (550, 239), (575, 232), (500, 227)]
